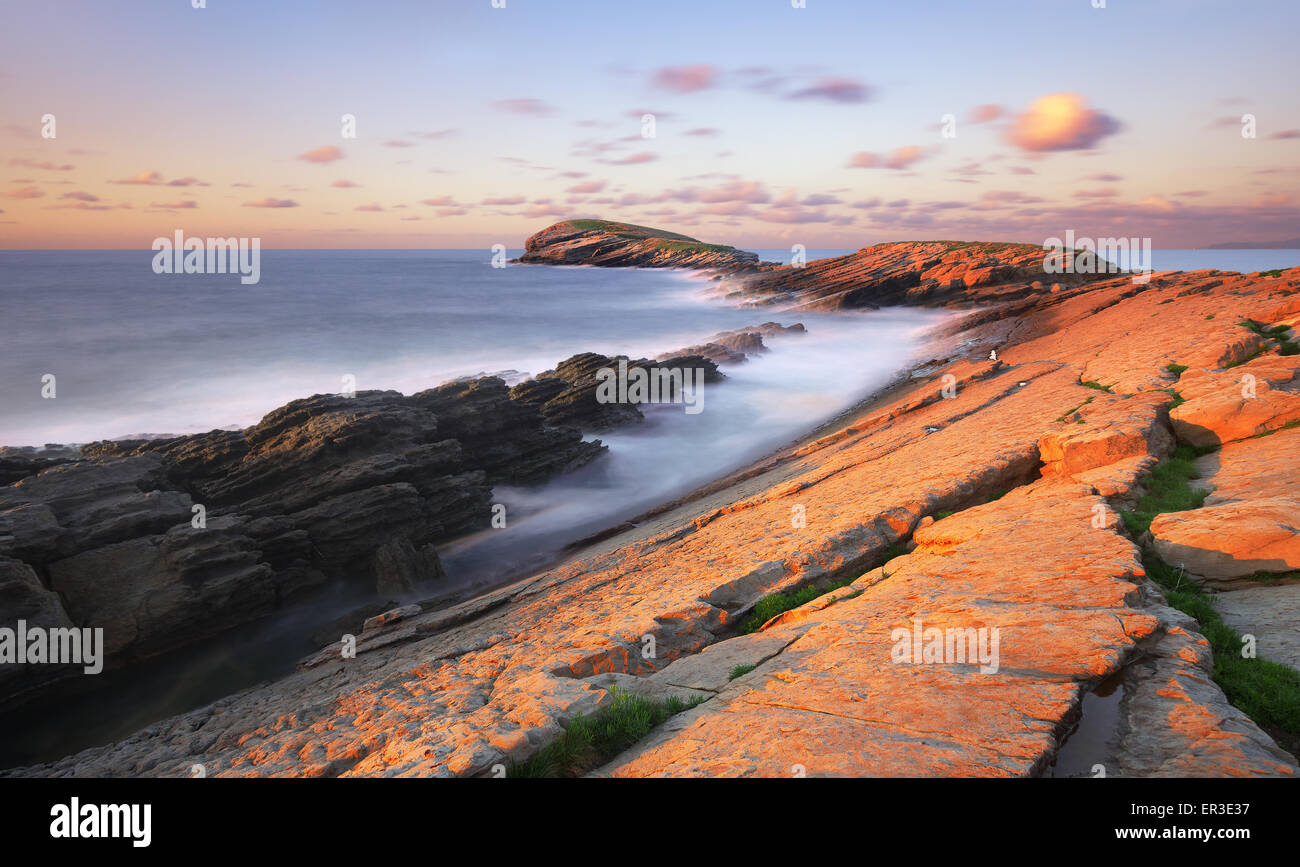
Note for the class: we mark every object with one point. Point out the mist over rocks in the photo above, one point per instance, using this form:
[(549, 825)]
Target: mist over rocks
[(324, 491)]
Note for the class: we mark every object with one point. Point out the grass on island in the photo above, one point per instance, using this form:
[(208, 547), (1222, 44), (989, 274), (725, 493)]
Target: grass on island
[(1276, 272), (740, 671), (1088, 383), (1168, 489), (592, 739), (1176, 369), (1267, 692)]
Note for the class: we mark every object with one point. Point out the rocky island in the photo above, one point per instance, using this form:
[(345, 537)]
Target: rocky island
[(1097, 472)]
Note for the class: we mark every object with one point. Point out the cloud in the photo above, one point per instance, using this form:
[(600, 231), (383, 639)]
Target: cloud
[(817, 199), (441, 202), (985, 113), (523, 106), (1103, 193), (372, 207), (25, 193), (146, 178), (587, 187), (1060, 122), (187, 182), (686, 79), (1286, 133), (269, 202), (1158, 205), (437, 134), (45, 165), (183, 204), (843, 90), (1105, 177), (80, 196), (505, 200), (703, 130), (634, 159), (344, 183), (901, 158), (323, 154), (398, 143)]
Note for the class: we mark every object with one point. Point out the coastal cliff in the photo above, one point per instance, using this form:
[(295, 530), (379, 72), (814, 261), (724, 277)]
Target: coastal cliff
[(1033, 492)]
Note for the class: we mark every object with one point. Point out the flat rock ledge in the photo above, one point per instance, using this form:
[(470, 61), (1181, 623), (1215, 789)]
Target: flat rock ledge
[(1000, 480)]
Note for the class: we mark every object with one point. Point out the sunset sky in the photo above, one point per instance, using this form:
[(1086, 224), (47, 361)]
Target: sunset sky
[(774, 125)]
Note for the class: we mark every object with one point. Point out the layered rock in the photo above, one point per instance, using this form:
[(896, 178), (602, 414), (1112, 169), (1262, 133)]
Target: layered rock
[(605, 243), (1003, 478)]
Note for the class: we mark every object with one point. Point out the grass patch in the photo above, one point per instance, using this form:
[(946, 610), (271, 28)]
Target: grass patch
[(1276, 272), (1168, 489), (779, 603), (1176, 369), (591, 739), (1256, 354), (740, 671), (997, 495), (939, 516), (1178, 400), (1088, 383), (1066, 416), (1288, 347), (1209, 316), (1267, 692)]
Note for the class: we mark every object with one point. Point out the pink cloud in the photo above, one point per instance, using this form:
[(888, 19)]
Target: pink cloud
[(835, 90), (523, 106), (985, 113), (505, 200), (187, 182), (25, 193), (372, 207), (146, 178), (183, 204), (634, 159), (587, 187), (686, 79), (80, 196), (343, 184), (44, 165), (901, 158), (323, 154), (1060, 122), (703, 130), (269, 202)]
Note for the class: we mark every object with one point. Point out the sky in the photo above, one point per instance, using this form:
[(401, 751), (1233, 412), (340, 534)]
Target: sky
[(834, 125)]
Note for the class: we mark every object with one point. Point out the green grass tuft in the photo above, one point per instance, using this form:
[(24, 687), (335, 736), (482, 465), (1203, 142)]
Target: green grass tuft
[(1176, 369), (1088, 383), (740, 671), (1167, 490), (591, 739), (779, 603), (1266, 691)]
